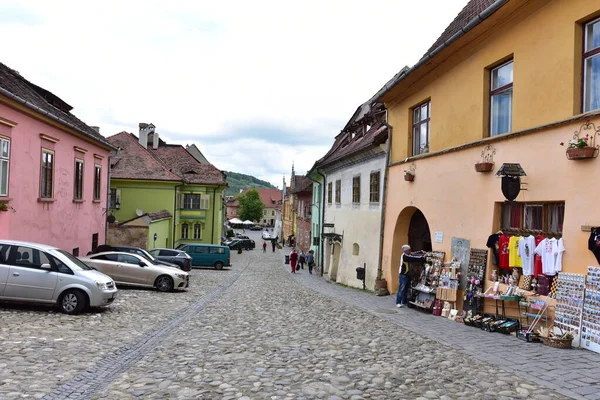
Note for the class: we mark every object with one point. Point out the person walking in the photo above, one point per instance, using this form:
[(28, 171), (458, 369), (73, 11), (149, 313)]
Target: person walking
[(403, 274), (310, 260), (274, 244), (293, 260), (264, 247), (301, 259)]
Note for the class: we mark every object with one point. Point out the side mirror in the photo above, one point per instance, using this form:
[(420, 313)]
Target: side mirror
[(45, 266), (142, 264)]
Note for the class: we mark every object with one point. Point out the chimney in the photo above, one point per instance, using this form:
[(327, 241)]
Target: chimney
[(96, 128), (146, 130)]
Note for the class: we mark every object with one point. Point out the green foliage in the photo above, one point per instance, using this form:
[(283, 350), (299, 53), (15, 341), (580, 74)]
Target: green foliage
[(239, 182), (251, 207)]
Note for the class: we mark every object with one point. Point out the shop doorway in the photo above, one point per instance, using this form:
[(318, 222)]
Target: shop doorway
[(336, 249), (412, 228)]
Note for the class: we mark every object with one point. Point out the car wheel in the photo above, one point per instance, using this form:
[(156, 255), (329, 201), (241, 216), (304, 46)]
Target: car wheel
[(72, 302), (218, 265), (164, 283)]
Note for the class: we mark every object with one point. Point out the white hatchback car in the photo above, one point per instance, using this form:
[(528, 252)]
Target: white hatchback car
[(38, 273)]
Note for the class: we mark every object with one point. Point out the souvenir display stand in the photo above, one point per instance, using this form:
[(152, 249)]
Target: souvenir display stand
[(535, 315), (475, 278), (569, 305), (423, 293), (590, 330)]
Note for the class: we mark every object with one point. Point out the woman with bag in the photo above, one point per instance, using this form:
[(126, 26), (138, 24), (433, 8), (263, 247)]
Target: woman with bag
[(293, 260)]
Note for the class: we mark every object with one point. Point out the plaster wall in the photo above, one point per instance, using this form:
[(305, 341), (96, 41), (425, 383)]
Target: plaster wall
[(359, 224), (62, 222), (460, 202), (148, 196), (546, 84)]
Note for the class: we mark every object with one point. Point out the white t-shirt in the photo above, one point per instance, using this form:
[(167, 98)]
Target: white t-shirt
[(551, 252), (526, 252)]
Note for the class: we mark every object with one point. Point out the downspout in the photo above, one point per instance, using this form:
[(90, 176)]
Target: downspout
[(322, 250), (212, 237), (383, 202), (175, 213), (107, 202)]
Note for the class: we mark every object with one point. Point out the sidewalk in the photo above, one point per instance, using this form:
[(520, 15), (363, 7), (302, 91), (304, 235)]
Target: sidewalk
[(574, 373)]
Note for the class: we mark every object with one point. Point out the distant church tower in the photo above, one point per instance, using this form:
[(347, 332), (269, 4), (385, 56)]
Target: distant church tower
[(293, 178)]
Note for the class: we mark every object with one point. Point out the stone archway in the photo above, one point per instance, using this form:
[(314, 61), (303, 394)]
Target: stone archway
[(412, 228)]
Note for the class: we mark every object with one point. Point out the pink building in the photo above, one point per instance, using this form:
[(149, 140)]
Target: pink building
[(53, 169)]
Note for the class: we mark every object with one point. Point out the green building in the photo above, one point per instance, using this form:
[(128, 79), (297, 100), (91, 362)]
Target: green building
[(161, 195)]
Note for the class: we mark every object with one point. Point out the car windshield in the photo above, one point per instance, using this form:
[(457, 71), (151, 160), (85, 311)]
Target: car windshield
[(78, 264)]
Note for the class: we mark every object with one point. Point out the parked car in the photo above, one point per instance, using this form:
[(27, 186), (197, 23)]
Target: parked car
[(135, 250), (38, 273), (266, 235), (238, 236), (133, 269), (247, 244), (173, 256), (207, 255), (256, 228)]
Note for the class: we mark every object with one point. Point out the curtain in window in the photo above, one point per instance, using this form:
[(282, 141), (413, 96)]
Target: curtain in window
[(516, 215)]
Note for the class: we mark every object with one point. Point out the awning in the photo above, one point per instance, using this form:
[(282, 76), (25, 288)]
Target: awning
[(235, 221), (248, 222)]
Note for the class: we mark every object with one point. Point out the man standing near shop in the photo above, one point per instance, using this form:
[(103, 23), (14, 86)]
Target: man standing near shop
[(403, 274)]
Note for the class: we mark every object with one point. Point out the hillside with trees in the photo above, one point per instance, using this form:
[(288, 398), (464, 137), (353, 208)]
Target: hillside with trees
[(239, 182)]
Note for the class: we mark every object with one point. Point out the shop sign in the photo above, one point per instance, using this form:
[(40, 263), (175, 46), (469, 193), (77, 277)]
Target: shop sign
[(438, 237), (328, 225)]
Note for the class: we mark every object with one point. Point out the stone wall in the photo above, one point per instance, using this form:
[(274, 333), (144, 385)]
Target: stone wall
[(128, 236)]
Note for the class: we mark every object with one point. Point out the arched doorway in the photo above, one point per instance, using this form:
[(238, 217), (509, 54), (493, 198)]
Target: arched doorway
[(412, 228)]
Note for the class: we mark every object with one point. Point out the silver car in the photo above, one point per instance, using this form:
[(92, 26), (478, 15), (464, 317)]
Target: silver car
[(133, 269), (38, 273)]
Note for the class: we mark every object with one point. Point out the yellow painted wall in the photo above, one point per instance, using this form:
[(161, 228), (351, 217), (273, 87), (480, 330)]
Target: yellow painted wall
[(545, 43)]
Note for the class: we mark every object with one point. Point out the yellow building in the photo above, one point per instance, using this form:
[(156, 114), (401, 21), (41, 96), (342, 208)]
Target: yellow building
[(504, 85)]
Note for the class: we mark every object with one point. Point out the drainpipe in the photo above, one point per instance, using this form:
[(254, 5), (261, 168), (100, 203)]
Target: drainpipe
[(175, 212), (322, 250), (383, 203), (212, 240), (107, 202)]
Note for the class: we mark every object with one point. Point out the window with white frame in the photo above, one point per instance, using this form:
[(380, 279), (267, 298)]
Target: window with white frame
[(78, 181), (191, 201), (47, 175), (4, 162), (591, 66), (501, 94), (421, 119), (197, 231), (185, 231)]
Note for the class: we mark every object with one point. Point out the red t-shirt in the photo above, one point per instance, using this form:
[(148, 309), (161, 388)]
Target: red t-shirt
[(503, 252), (537, 261)]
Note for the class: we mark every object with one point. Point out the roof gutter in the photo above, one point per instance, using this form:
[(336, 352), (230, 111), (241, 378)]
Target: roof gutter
[(427, 57), (52, 116)]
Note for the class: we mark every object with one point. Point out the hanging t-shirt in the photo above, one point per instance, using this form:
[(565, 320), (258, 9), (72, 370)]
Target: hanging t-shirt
[(492, 244), (503, 253), (594, 243), (526, 249), (548, 248), (514, 260), (537, 260), (560, 249)]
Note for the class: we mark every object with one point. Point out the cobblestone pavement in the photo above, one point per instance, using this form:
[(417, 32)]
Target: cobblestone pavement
[(255, 332)]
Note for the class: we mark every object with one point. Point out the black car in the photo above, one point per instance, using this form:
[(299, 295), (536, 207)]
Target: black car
[(131, 249), (256, 228), (178, 257), (247, 244)]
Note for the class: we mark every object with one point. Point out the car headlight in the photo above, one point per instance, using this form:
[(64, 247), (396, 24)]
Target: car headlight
[(180, 276), (102, 285)]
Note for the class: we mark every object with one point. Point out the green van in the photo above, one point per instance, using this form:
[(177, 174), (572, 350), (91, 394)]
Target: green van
[(207, 255)]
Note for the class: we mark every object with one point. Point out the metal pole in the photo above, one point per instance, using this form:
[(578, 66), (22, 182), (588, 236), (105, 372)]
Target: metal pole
[(365, 278)]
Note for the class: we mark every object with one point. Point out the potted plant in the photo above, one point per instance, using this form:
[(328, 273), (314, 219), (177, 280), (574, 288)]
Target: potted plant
[(579, 148), (484, 166), (3, 205), (409, 175)]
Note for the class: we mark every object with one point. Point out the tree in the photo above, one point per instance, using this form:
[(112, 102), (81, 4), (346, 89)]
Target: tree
[(251, 207)]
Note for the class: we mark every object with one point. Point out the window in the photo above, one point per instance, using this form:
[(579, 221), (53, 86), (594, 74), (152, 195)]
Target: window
[(128, 259), (78, 187), (197, 231), (217, 250), (97, 181), (591, 66), (184, 231), (421, 117), (30, 258), (201, 250), (338, 191), (501, 92), (374, 187), (112, 199), (75, 252), (356, 189), (165, 253), (272, 212), (329, 193), (60, 266), (191, 201), (4, 158), (47, 178), (94, 241), (525, 218)]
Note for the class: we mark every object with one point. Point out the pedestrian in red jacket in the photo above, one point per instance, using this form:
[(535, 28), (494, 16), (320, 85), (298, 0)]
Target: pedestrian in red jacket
[(264, 247), (293, 260)]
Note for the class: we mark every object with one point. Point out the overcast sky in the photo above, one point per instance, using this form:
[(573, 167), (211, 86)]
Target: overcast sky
[(254, 84)]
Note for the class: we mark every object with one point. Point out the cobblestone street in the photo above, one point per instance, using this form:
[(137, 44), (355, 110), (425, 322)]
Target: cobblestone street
[(252, 332)]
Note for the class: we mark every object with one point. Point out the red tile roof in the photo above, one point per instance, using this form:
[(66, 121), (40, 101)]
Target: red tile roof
[(182, 163), (44, 101), (269, 197), (302, 184), (133, 161)]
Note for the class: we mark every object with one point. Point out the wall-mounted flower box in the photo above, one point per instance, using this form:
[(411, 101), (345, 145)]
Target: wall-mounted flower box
[(580, 153), (409, 177), (484, 166)]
